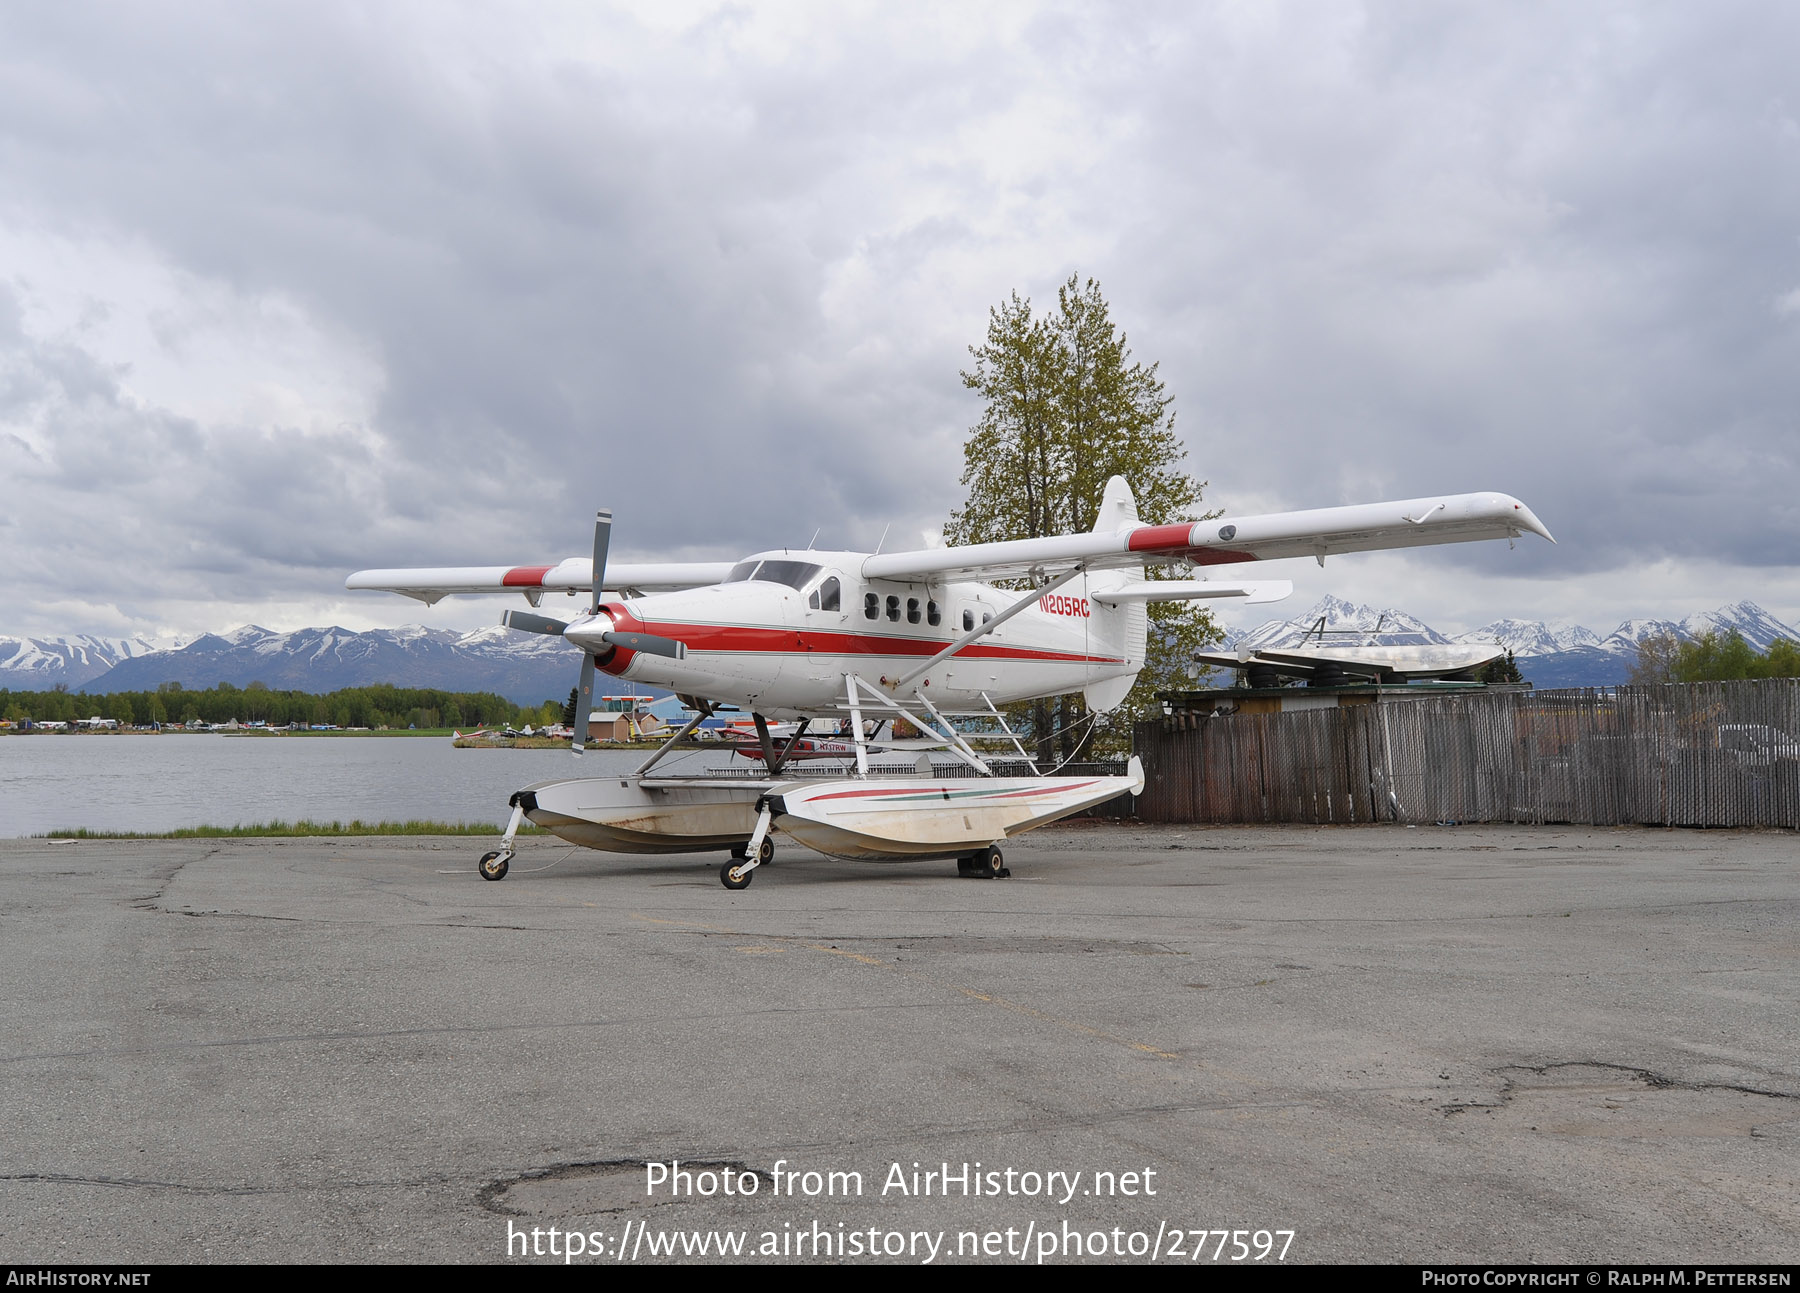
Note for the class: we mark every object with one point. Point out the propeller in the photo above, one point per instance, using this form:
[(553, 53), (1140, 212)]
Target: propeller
[(531, 622)]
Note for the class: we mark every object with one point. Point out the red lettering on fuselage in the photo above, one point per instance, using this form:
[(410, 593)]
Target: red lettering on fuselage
[(1057, 604)]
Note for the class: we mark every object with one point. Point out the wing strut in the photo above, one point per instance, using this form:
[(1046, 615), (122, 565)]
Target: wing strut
[(980, 630)]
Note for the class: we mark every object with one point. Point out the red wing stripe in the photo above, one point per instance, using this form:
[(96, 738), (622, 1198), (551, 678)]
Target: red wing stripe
[(1178, 540), (1155, 538), (526, 576)]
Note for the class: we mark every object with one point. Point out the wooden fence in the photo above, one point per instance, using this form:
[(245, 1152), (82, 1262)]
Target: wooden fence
[(1685, 754)]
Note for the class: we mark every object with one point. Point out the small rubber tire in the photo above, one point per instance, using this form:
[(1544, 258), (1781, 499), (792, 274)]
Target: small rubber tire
[(493, 866), (990, 864), (766, 854), (965, 865), (732, 878)]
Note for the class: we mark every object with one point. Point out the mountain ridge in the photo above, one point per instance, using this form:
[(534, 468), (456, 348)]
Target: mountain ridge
[(530, 668), (525, 668)]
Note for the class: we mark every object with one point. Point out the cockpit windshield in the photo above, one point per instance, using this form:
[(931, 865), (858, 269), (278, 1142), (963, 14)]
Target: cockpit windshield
[(795, 574)]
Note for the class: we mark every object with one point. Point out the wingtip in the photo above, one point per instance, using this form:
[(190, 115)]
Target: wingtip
[(1529, 520)]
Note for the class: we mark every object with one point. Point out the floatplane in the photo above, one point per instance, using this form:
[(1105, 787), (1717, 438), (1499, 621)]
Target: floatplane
[(921, 639)]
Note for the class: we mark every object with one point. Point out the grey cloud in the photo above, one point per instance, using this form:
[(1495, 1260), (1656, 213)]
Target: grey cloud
[(1404, 249)]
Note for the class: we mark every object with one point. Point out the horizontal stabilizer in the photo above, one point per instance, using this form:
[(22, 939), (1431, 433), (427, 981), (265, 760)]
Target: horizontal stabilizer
[(1182, 590)]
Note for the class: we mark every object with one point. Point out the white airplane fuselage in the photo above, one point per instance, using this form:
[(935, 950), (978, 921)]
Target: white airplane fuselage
[(780, 639)]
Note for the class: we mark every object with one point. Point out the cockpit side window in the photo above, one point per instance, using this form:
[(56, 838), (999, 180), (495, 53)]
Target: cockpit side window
[(795, 574), (829, 594)]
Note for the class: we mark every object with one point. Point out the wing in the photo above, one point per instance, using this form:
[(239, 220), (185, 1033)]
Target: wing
[(574, 574), (1321, 532)]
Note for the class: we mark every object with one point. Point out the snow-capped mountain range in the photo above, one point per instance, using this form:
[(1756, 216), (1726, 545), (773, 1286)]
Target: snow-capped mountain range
[(529, 668), (524, 667), (1550, 655), (39, 664)]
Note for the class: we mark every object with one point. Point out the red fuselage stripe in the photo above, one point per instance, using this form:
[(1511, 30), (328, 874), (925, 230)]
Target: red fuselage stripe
[(744, 639)]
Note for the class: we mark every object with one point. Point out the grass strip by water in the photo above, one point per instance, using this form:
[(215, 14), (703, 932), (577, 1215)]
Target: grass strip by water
[(281, 829)]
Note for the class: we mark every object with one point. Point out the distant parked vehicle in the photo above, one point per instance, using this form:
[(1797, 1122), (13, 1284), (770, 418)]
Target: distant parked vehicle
[(1757, 745)]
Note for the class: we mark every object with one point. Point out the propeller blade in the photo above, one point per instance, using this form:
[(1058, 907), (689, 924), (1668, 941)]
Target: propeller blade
[(530, 623), (602, 536), (584, 700), (647, 642)]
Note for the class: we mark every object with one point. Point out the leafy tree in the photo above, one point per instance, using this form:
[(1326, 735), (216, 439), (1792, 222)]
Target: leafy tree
[(1066, 408), (1715, 658), (1655, 660), (1712, 657), (1501, 670), (1783, 660)]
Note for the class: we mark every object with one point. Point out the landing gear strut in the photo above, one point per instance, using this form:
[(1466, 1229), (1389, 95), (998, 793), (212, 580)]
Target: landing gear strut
[(764, 855), (737, 873), (493, 865)]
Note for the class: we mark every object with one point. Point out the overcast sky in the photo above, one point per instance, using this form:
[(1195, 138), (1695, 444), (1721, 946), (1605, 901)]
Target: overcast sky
[(287, 291)]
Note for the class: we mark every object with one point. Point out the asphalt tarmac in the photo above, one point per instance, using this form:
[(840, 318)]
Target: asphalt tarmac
[(1416, 1045)]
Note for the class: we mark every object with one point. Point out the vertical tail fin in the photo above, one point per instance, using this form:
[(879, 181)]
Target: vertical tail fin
[(1117, 630)]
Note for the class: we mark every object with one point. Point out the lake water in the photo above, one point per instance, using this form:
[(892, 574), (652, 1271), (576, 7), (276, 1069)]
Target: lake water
[(161, 783)]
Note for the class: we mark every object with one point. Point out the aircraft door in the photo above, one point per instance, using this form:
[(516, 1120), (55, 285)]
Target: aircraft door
[(825, 604), (824, 620)]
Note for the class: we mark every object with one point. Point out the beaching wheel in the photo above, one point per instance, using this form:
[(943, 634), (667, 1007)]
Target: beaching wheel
[(493, 865), (990, 864), (764, 855), (733, 876)]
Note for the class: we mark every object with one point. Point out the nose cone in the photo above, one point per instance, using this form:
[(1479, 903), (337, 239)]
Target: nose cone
[(589, 633)]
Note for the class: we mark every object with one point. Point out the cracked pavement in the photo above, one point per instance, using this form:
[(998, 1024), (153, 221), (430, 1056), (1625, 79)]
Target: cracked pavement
[(1470, 1044)]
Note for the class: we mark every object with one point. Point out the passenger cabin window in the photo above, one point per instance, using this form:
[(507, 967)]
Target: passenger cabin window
[(987, 616), (893, 608), (871, 606), (825, 596), (912, 610), (968, 620), (933, 616)]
